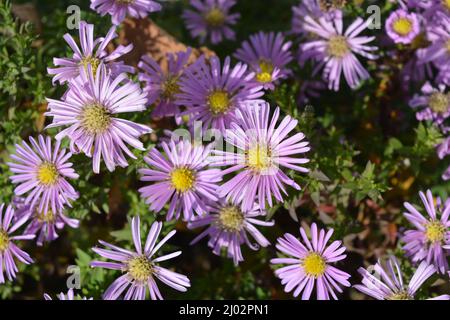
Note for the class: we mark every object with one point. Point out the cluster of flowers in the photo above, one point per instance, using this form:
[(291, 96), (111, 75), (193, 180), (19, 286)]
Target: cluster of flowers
[(186, 177), (423, 27)]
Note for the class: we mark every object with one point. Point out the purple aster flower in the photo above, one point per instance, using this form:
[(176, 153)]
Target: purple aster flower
[(402, 26), (415, 4), (41, 172), (335, 50), (416, 69), (439, 36), (315, 13), (433, 232), (161, 87), (229, 227), (443, 150), (181, 178), (89, 109), (267, 54), (436, 6), (212, 94), (43, 225), (69, 296), (140, 267), (435, 104), (93, 52), (211, 18), (119, 9), (386, 283), (262, 148), (8, 248), (299, 12), (439, 50), (309, 264), (315, 9), (443, 75)]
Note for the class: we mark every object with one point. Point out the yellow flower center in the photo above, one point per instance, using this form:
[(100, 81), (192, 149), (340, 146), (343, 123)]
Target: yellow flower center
[(47, 173), (215, 17), (140, 268), (402, 26), (185, 118), (4, 240), (170, 88), (95, 119), (219, 102), (447, 46), (259, 158), (94, 62), (231, 218), (182, 179), (48, 217), (314, 265), (446, 4), (265, 74), (439, 102), (435, 231), (402, 295), (338, 46)]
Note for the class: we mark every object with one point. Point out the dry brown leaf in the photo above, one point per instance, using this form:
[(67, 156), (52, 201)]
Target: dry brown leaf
[(148, 38), (27, 12)]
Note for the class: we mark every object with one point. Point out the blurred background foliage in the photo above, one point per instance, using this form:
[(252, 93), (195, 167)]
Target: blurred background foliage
[(369, 155)]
